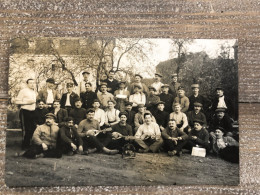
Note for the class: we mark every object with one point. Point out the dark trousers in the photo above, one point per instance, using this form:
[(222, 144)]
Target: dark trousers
[(99, 141), (37, 149), (28, 126), (65, 147), (192, 143), (169, 145), (230, 153), (117, 144), (151, 144)]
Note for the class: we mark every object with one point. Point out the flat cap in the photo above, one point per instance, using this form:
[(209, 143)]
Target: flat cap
[(180, 88), (123, 113), (220, 110), (138, 86), (160, 102), (198, 121), (165, 85), (158, 74), (90, 110), (198, 104), (50, 80), (151, 87), (176, 104), (70, 84), (128, 103), (138, 75), (140, 105), (195, 86), (50, 115), (103, 83), (219, 88), (174, 75), (85, 72), (220, 128)]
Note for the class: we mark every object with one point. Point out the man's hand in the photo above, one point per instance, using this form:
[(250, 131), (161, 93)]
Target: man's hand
[(44, 147), (194, 137), (116, 135), (74, 147), (162, 128), (80, 149), (179, 138), (145, 136), (76, 126), (181, 128), (157, 138), (91, 133)]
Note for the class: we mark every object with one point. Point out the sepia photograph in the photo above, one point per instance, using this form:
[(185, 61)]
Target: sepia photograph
[(122, 111)]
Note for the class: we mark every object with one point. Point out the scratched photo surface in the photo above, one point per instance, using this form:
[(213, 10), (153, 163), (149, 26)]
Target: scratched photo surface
[(122, 112)]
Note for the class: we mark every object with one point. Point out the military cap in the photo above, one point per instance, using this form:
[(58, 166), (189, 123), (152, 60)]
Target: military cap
[(103, 83), (198, 121), (50, 115), (50, 80), (151, 87), (85, 72), (219, 88), (70, 84), (96, 100), (140, 105), (160, 102), (128, 103), (180, 88), (220, 128), (197, 104), (138, 86), (113, 101), (138, 75), (158, 74), (165, 85), (174, 75), (90, 110), (220, 110), (123, 113), (195, 86)]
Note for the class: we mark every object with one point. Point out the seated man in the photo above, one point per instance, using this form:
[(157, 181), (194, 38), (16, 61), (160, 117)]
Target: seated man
[(59, 112), (196, 114), (220, 119), (138, 97), (39, 113), (179, 117), (100, 114), (161, 116), (225, 147), (198, 136), (182, 99), (174, 138), (148, 136), (45, 139), (112, 114), (121, 133), (78, 114), (88, 96), (167, 98), (70, 141), (93, 138)]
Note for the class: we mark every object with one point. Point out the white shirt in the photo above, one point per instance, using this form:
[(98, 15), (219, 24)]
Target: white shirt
[(112, 115), (50, 97), (137, 99), (68, 100), (151, 129), (100, 116), (221, 103), (180, 117), (24, 96), (157, 86)]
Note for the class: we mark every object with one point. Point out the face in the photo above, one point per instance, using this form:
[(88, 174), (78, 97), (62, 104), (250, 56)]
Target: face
[(181, 92), (152, 92), (122, 85), (197, 126), (70, 123), (85, 76), (220, 115), (41, 105), (197, 108), (69, 89), (157, 78), (111, 75), (165, 90), (137, 90), (90, 116), (88, 87), (172, 125), (111, 105), (177, 108), (56, 105), (123, 119), (148, 119), (174, 79), (49, 121), (128, 108), (141, 110), (30, 84), (160, 107), (78, 104), (103, 88), (219, 134), (96, 104), (195, 90), (137, 79), (220, 93), (50, 85)]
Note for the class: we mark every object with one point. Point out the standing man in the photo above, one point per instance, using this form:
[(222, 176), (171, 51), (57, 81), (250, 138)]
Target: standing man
[(27, 100), (174, 85), (182, 99), (166, 98), (49, 94), (157, 84), (88, 96), (112, 83), (86, 79), (68, 99), (138, 82)]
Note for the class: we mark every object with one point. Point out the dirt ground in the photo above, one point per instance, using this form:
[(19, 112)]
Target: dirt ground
[(101, 169)]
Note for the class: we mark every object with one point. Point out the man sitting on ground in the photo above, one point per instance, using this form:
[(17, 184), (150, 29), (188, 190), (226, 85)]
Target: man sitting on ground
[(148, 136), (45, 140), (70, 141), (174, 139)]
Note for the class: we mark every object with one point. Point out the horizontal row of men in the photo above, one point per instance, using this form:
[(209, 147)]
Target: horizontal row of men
[(51, 140)]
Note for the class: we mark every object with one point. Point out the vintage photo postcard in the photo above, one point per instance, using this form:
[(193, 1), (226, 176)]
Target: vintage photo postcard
[(122, 111)]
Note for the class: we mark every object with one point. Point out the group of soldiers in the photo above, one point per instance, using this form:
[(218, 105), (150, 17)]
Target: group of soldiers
[(113, 114)]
